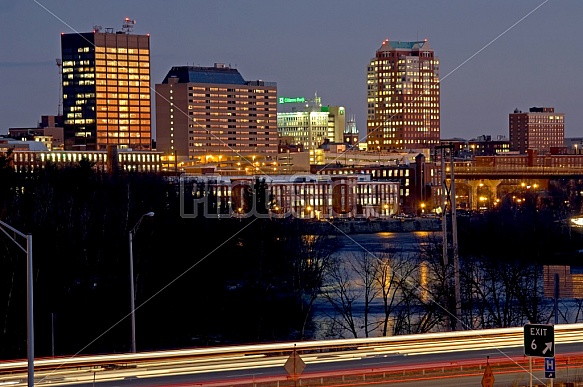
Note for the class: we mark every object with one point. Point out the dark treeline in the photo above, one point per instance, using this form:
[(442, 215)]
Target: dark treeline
[(198, 281), (201, 281)]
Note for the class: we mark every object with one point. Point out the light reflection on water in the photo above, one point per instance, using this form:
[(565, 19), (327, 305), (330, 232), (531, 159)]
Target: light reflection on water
[(397, 244), (409, 242), (570, 278)]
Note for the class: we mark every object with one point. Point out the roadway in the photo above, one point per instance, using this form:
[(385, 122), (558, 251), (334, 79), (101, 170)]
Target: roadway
[(236, 371), (453, 354)]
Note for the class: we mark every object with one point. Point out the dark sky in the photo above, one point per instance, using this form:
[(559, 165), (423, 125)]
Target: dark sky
[(323, 47)]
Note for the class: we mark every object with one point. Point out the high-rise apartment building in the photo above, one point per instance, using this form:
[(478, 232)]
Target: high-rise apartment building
[(403, 97), (106, 90), (538, 129), (211, 114)]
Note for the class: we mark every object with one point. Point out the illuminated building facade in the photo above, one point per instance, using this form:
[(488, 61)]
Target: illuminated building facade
[(30, 160), (312, 124), (483, 145), (540, 129), (301, 196), (351, 134), (49, 131), (418, 180), (403, 108), (106, 90), (211, 114), (570, 281)]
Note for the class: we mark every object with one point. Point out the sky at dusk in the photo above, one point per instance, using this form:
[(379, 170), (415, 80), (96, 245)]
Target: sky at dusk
[(321, 47)]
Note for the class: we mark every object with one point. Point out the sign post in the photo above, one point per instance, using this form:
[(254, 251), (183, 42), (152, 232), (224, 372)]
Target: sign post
[(488, 378), (550, 370), (294, 365), (539, 341)]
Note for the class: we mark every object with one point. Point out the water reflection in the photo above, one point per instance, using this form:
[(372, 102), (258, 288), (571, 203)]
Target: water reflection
[(387, 241), (570, 281), (495, 292)]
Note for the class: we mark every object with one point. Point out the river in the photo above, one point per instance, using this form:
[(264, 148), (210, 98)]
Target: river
[(385, 241), (411, 243)]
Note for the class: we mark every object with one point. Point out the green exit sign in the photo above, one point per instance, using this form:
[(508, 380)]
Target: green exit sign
[(292, 100)]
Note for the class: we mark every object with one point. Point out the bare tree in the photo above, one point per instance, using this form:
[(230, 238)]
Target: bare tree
[(567, 310), (312, 257), (500, 293), (365, 266), (394, 272), (432, 297), (342, 293)]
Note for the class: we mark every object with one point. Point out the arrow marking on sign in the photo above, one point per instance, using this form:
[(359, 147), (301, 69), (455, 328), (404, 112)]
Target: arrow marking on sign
[(548, 347)]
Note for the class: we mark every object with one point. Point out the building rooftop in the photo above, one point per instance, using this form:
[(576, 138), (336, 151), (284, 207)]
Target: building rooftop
[(219, 74), (398, 45), (28, 145)]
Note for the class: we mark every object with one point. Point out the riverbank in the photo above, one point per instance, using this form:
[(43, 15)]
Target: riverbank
[(338, 227)]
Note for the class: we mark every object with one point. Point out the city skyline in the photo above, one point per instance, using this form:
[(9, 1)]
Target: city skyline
[(495, 57)]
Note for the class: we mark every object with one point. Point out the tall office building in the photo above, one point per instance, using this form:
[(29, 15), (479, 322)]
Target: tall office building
[(309, 124), (540, 129), (106, 89), (211, 114), (403, 97)]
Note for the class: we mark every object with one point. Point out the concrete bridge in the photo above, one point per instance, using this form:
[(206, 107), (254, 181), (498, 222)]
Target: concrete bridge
[(482, 187)]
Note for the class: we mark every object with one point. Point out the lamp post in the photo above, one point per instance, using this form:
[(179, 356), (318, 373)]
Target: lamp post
[(29, 293), (133, 295)]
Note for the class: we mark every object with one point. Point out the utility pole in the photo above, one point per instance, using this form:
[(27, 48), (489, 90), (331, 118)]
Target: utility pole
[(444, 242), (448, 196), (454, 243)]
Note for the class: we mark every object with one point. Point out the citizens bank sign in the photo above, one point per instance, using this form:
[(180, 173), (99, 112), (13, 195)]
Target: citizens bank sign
[(292, 100)]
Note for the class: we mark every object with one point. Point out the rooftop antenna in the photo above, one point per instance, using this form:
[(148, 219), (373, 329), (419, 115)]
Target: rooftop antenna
[(60, 66), (128, 25)]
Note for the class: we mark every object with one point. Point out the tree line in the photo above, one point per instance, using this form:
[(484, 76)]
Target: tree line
[(203, 281), (502, 254), (198, 281)]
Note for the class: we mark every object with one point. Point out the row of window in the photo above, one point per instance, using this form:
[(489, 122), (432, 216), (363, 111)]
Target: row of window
[(105, 114), (121, 50), (122, 63), (114, 89), (121, 70), (228, 90), (102, 105), (122, 96), (114, 134)]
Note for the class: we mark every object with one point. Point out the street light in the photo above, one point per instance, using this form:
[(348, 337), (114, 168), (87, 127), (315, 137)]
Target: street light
[(29, 304), (133, 295)]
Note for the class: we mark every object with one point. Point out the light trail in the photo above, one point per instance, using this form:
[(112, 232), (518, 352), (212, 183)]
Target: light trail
[(63, 371)]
